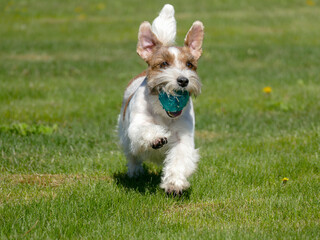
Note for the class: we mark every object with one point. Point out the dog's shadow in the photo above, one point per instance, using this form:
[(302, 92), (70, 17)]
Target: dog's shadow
[(146, 183)]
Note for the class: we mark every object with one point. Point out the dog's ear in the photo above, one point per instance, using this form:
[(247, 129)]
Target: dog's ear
[(194, 39), (147, 41)]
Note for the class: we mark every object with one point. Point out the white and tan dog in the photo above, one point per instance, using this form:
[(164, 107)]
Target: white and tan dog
[(146, 130)]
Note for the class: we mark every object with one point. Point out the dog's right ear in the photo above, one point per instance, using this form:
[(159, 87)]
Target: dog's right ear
[(147, 41)]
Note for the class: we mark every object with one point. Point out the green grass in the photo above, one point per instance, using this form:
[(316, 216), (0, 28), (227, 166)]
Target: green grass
[(63, 68)]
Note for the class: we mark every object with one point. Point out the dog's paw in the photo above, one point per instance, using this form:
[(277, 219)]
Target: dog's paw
[(159, 143), (175, 188), (174, 193), (134, 171)]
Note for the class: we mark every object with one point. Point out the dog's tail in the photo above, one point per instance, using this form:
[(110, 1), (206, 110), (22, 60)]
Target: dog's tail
[(165, 26)]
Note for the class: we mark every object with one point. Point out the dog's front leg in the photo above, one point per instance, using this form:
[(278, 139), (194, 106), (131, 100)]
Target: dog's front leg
[(144, 134), (179, 164)]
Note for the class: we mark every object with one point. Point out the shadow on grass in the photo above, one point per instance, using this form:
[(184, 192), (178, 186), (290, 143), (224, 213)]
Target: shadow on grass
[(146, 183)]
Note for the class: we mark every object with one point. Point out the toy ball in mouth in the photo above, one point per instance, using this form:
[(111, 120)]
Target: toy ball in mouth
[(173, 104)]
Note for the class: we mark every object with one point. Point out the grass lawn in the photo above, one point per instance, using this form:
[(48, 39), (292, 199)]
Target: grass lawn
[(63, 68)]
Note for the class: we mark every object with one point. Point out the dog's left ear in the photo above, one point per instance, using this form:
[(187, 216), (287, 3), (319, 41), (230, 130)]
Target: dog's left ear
[(147, 41), (194, 39)]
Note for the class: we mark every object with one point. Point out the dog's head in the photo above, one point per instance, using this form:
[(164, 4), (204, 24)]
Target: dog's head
[(171, 68)]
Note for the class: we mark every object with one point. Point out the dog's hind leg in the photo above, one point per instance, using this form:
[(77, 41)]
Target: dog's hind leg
[(134, 166)]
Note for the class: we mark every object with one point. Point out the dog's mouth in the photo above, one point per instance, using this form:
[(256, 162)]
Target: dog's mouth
[(174, 114), (174, 104)]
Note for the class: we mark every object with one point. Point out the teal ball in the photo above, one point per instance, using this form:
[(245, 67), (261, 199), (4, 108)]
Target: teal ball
[(174, 103)]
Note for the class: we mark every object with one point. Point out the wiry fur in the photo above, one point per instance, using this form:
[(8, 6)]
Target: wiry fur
[(145, 129), (167, 79), (165, 26)]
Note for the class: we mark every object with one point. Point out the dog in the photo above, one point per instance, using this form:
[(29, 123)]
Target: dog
[(146, 129)]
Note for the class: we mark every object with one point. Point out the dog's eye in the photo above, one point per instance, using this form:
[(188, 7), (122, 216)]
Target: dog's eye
[(164, 65), (189, 65)]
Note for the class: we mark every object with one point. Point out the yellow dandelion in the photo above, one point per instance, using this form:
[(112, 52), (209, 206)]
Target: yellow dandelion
[(82, 17), (267, 90), (78, 9), (285, 180), (101, 6), (310, 2)]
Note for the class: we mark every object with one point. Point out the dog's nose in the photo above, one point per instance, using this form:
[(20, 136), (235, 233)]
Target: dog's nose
[(182, 81)]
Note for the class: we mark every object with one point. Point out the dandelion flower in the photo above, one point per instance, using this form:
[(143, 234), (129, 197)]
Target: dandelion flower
[(101, 6), (284, 180), (267, 90), (310, 2), (82, 16), (78, 9)]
